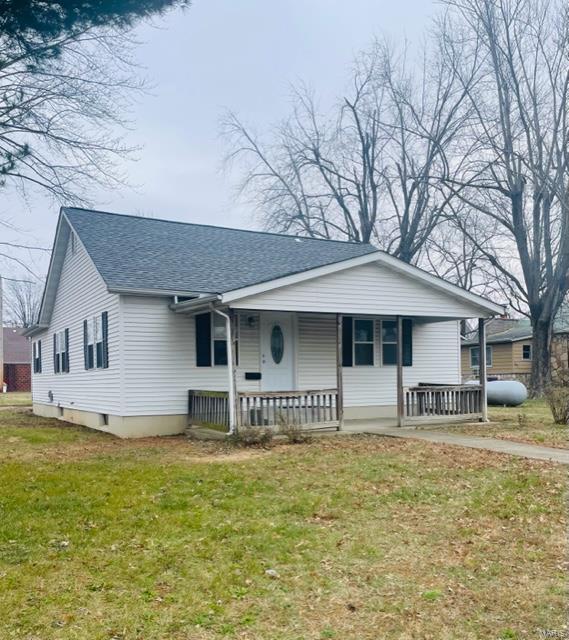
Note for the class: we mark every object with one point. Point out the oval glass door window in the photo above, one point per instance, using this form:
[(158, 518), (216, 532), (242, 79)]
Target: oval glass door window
[(277, 344)]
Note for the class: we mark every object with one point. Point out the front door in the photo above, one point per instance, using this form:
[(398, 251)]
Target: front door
[(277, 352)]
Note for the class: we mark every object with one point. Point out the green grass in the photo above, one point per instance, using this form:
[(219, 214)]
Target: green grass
[(530, 422), (14, 399), (370, 538)]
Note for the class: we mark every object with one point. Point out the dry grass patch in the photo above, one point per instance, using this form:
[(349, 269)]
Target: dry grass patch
[(15, 399), (356, 538), (532, 423)]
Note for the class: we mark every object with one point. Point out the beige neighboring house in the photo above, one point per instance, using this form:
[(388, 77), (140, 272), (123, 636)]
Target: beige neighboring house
[(509, 350)]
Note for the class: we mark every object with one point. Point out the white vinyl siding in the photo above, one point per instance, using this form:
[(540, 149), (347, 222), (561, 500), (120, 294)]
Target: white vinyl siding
[(81, 294), (367, 289), (435, 359), (160, 358)]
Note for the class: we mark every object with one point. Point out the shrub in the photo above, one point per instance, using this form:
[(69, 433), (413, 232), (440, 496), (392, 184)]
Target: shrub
[(558, 400), (253, 437), (522, 420), (294, 433)]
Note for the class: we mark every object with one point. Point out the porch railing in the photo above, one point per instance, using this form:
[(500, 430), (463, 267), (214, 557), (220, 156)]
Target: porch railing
[(209, 408), (317, 408), (443, 400), (307, 409)]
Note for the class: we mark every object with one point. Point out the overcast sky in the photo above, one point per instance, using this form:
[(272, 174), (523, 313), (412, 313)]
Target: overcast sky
[(223, 54)]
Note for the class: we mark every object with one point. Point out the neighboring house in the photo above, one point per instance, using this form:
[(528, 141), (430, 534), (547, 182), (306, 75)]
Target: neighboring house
[(510, 350), (140, 318), (17, 359)]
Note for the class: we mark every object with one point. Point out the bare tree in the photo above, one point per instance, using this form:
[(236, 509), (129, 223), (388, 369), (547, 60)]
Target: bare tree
[(22, 302), (366, 172), (513, 165), (66, 84)]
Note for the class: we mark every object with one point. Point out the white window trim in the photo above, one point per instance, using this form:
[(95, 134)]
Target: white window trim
[(36, 359), (530, 352), (60, 350), (372, 342), (489, 360), (381, 341), (213, 338)]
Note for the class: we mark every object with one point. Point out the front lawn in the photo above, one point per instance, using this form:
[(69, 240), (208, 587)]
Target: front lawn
[(354, 538), (530, 422), (15, 398)]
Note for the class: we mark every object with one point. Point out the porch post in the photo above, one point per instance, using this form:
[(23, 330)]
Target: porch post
[(233, 364), (482, 368), (400, 396), (339, 377)]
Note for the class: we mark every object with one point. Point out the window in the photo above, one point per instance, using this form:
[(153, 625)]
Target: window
[(358, 341), (211, 340), (277, 344), (526, 351), (96, 342), (61, 351), (475, 357), (219, 340), (363, 342), (37, 356), (389, 342)]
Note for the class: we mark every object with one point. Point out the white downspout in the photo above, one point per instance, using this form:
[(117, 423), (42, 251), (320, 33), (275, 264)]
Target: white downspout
[(231, 380)]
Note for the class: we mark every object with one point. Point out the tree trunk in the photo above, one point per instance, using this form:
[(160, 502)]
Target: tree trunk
[(541, 356)]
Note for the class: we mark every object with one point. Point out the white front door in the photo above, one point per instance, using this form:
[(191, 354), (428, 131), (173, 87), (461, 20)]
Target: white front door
[(277, 352)]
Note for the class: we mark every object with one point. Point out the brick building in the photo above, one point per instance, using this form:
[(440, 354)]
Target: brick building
[(17, 359)]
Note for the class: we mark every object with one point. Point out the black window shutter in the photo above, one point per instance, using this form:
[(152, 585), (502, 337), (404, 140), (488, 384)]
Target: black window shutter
[(85, 344), (39, 356), (203, 340), (55, 359), (66, 367), (347, 341), (407, 327), (105, 326)]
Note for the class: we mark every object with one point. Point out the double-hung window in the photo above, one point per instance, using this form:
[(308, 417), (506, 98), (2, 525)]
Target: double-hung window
[(61, 351), (358, 341), (364, 341), (219, 339), (211, 340), (475, 357), (37, 356), (526, 351), (389, 342), (96, 342)]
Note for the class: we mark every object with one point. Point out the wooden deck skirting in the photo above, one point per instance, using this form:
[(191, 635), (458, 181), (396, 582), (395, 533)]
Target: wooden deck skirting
[(443, 400), (313, 409)]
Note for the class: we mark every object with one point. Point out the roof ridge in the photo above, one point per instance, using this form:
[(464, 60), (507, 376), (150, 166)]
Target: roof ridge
[(214, 226)]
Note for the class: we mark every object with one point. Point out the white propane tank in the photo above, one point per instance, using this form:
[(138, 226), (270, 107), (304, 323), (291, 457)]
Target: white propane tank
[(506, 392)]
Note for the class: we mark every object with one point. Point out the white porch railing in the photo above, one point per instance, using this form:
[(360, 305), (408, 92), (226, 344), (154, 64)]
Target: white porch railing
[(314, 409), (308, 409), (209, 408), (443, 400)]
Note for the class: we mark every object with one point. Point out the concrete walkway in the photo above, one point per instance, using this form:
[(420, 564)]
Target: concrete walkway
[(532, 451)]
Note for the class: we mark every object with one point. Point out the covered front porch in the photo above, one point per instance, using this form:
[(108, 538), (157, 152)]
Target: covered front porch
[(321, 409), (330, 371)]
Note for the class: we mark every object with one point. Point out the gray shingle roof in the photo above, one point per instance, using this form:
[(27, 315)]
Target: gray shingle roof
[(146, 253)]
